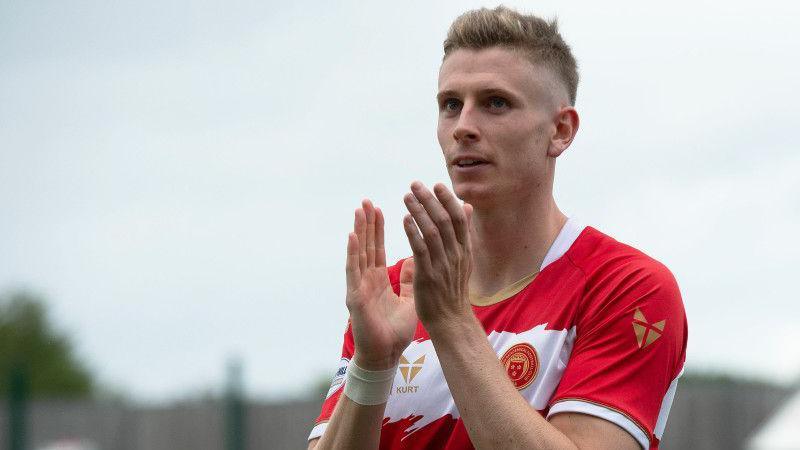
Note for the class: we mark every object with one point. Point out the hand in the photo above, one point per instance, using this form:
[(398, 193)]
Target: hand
[(383, 323), (442, 253)]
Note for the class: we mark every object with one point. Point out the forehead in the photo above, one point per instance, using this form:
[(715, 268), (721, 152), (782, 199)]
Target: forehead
[(495, 68)]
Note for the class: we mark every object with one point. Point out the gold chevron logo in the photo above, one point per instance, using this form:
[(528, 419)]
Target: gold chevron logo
[(646, 333), (410, 370)]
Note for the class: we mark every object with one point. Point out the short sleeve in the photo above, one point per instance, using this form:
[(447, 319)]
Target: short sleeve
[(335, 391), (629, 350), (348, 349)]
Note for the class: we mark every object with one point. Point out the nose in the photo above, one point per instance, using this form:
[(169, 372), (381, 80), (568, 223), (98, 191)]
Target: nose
[(466, 129)]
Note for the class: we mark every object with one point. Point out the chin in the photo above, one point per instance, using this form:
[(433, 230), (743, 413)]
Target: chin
[(472, 193)]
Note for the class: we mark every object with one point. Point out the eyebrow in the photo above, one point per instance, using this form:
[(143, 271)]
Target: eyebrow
[(441, 96)]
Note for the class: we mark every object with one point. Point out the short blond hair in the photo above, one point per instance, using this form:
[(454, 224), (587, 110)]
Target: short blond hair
[(504, 27)]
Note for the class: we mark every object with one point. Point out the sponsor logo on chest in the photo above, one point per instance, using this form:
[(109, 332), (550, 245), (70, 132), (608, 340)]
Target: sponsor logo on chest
[(409, 370), (533, 360)]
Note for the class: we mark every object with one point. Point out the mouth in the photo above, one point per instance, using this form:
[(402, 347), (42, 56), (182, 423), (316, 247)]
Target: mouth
[(468, 162)]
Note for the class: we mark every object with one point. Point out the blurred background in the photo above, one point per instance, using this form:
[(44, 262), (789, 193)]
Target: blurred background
[(177, 180)]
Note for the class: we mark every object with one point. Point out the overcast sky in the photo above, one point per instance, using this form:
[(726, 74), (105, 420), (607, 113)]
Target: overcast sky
[(177, 178)]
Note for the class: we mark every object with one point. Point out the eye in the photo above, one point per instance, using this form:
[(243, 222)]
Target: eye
[(497, 103), (451, 104)]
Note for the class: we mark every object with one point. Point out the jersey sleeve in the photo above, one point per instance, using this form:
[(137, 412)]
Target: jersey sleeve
[(335, 391), (348, 349), (629, 350)]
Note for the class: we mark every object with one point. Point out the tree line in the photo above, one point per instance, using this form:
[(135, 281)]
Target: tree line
[(32, 347)]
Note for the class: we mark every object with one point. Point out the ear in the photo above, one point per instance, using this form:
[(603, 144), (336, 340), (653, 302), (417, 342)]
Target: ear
[(566, 121)]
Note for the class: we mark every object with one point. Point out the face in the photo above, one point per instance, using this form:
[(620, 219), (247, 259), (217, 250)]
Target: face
[(499, 118)]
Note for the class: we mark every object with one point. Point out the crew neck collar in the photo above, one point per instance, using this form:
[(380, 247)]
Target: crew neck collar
[(566, 237)]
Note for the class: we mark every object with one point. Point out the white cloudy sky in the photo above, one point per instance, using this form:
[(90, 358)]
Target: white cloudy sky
[(178, 177)]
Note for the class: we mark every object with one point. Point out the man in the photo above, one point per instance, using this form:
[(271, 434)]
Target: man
[(512, 326)]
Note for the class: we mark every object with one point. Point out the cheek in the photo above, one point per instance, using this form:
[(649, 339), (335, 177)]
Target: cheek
[(443, 133), (526, 154), (537, 140), (522, 143)]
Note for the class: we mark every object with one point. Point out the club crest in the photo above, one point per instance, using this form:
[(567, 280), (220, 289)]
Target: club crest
[(521, 364)]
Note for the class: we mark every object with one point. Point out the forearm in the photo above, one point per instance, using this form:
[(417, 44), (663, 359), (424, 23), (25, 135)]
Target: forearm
[(382, 325), (496, 416), (353, 426)]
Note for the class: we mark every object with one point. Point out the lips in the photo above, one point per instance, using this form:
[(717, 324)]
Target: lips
[(469, 161)]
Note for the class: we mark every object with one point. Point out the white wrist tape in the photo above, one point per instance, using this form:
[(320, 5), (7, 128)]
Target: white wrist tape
[(368, 387)]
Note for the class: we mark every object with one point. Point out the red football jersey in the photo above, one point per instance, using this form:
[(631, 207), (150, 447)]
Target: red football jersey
[(600, 330)]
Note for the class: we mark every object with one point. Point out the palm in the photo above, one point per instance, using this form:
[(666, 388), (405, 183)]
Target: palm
[(388, 321), (383, 322)]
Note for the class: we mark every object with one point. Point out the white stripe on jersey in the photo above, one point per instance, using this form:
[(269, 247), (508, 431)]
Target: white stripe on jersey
[(610, 415), (427, 394), (566, 237), (666, 405)]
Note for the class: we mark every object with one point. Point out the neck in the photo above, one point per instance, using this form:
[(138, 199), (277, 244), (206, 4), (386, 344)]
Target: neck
[(510, 242)]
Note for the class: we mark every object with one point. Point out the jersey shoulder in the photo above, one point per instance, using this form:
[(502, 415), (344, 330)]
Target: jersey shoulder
[(602, 258), (622, 282)]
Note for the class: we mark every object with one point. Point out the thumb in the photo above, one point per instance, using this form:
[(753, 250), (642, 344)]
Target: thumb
[(407, 278)]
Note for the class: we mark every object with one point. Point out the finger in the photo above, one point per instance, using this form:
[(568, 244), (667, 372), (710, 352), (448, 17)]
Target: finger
[(380, 251), (468, 245), (430, 233), (438, 214), (352, 269), (360, 229), (468, 209), (369, 244), (455, 211), (407, 278), (418, 246)]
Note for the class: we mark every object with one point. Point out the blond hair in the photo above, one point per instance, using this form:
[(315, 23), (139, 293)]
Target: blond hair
[(503, 27)]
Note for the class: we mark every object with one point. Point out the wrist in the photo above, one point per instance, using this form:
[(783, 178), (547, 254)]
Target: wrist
[(375, 363), (453, 322), (455, 327), (368, 387)]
